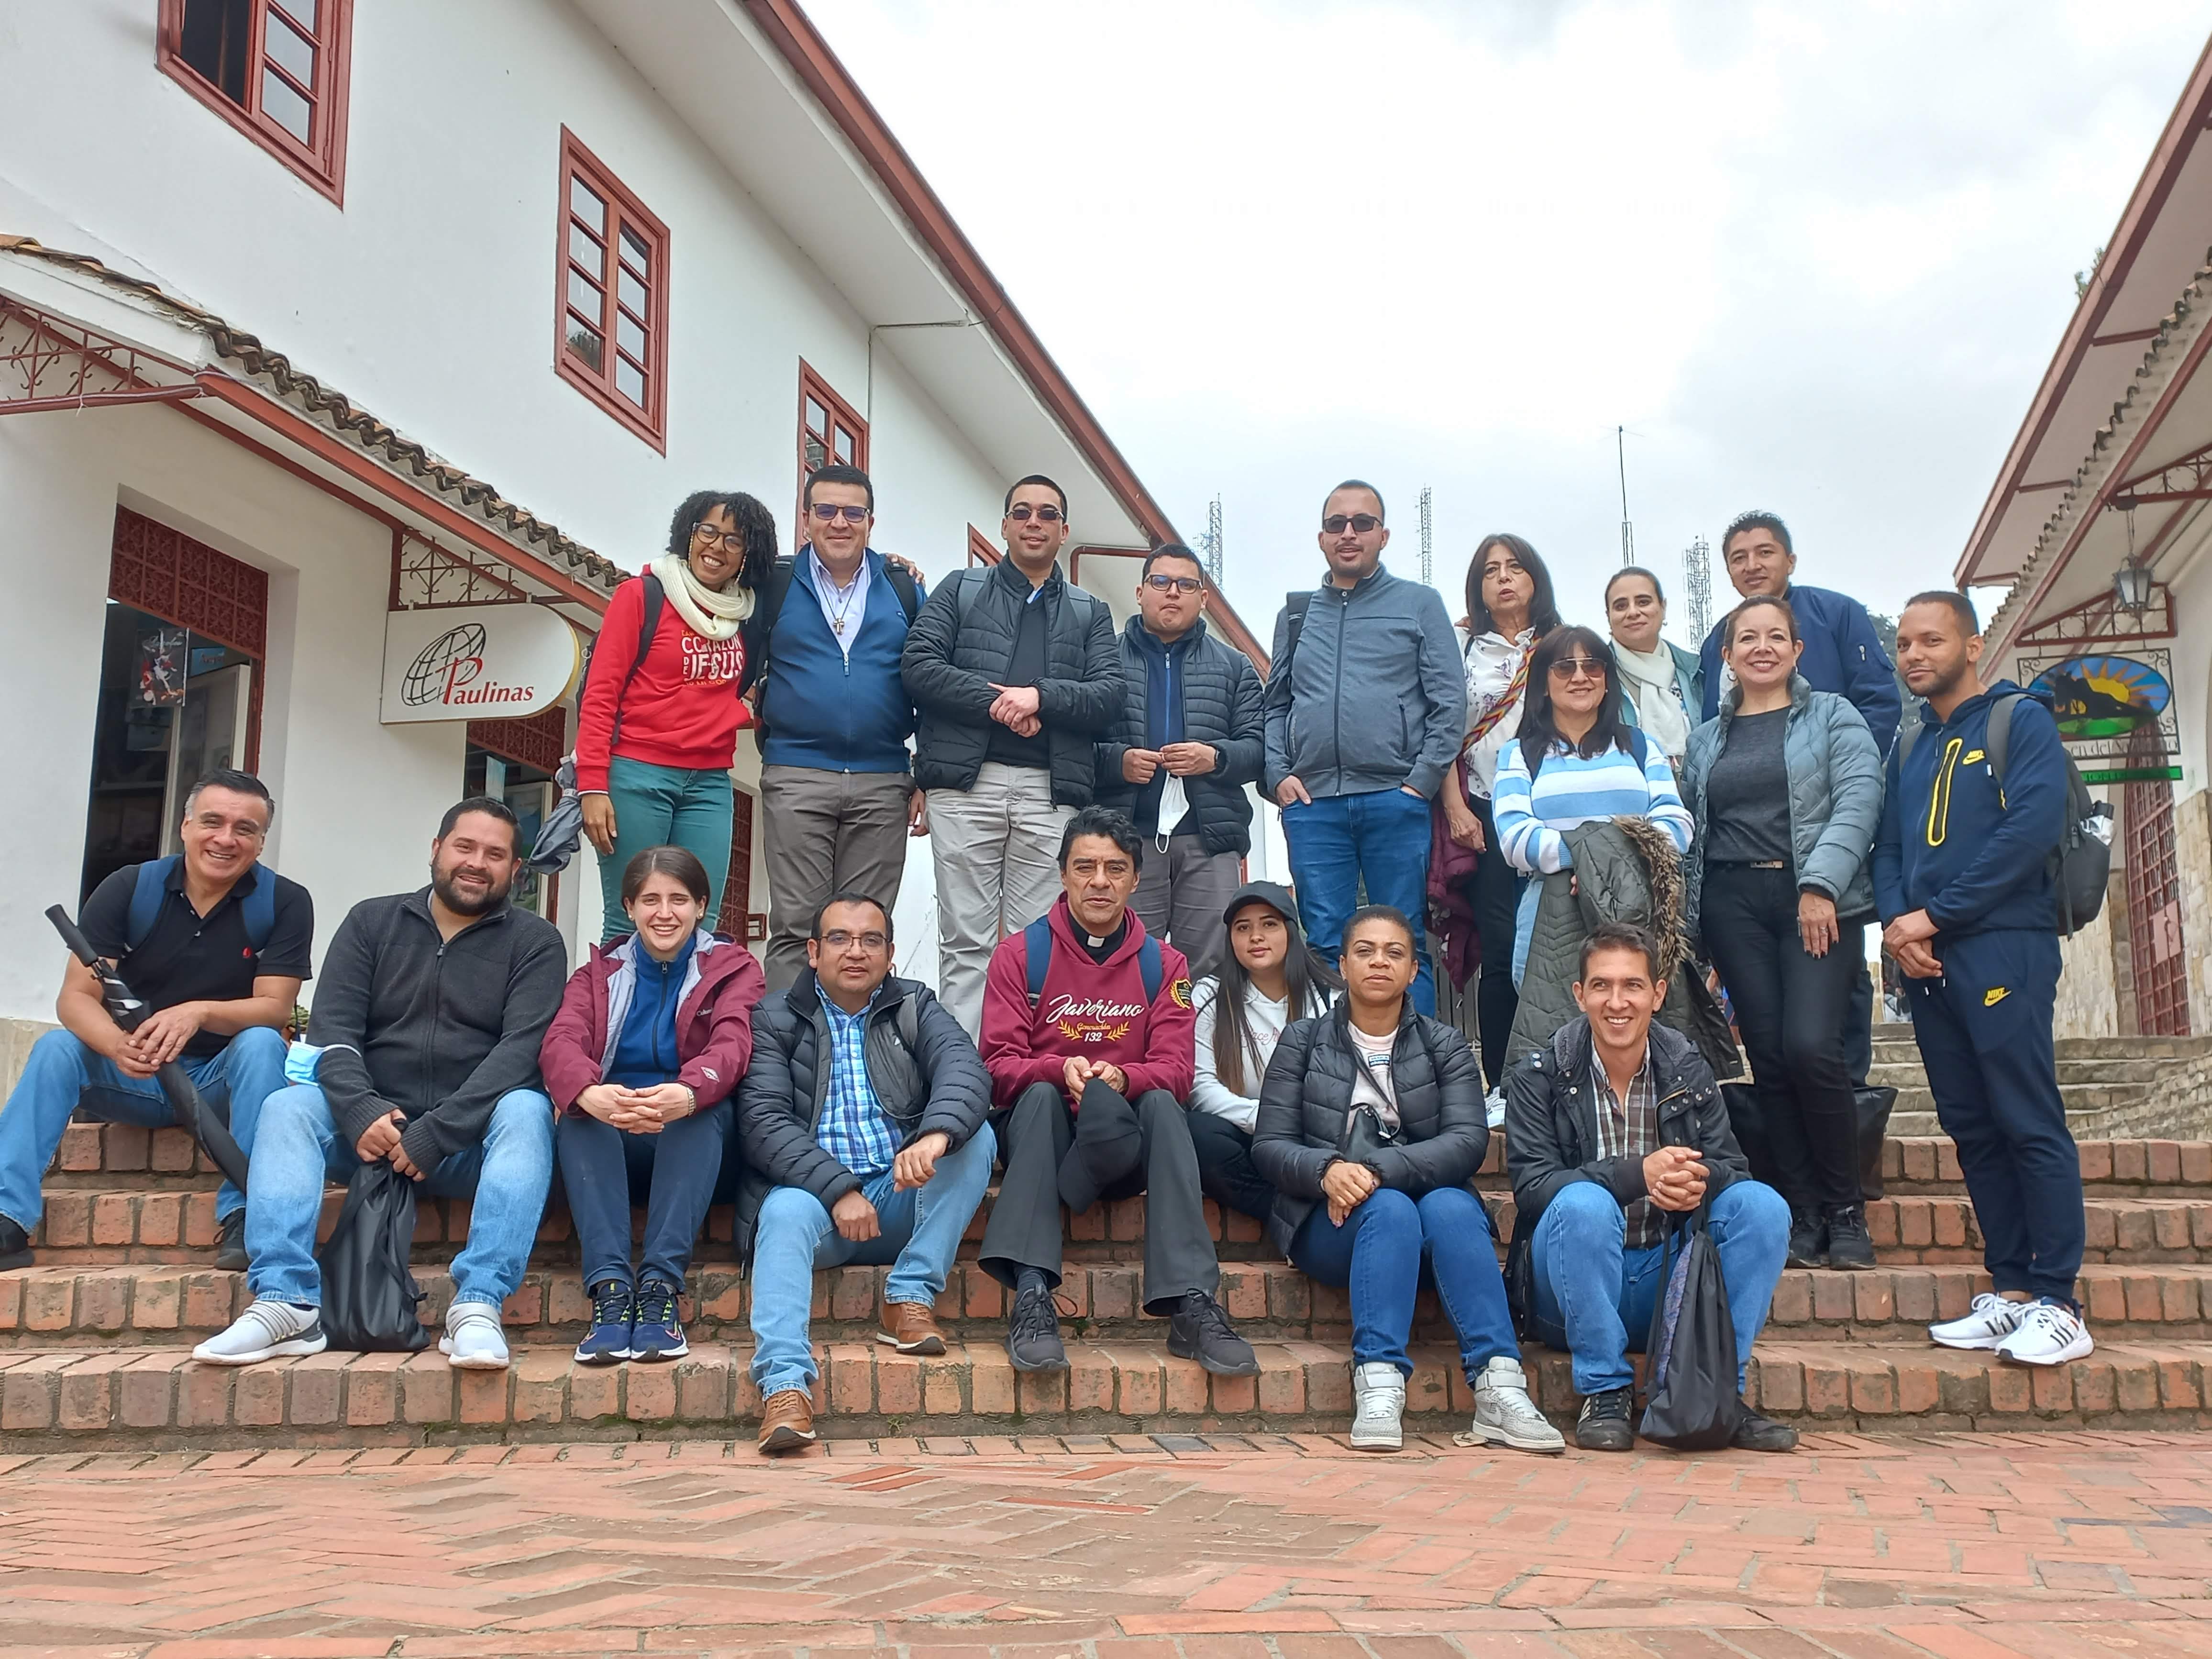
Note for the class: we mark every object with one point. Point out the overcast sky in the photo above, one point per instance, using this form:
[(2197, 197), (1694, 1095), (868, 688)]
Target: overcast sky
[(1813, 258)]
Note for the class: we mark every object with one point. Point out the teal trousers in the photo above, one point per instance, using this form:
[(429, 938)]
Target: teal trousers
[(663, 806)]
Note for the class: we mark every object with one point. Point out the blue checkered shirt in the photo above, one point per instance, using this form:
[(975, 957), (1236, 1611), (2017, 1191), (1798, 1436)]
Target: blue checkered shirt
[(853, 1129)]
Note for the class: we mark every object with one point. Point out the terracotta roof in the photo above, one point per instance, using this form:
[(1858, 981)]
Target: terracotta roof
[(277, 373)]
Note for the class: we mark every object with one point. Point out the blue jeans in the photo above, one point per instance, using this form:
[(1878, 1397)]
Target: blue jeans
[(1378, 1253), (664, 807), (62, 1076), (1592, 1291), (1381, 838), (921, 1229), (606, 1170), (298, 1149)]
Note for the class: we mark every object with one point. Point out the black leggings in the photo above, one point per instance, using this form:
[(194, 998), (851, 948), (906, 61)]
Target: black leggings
[(1497, 894), (1790, 1008)]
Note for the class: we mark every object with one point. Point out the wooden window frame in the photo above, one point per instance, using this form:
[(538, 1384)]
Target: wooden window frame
[(321, 164), (651, 422), (812, 388)]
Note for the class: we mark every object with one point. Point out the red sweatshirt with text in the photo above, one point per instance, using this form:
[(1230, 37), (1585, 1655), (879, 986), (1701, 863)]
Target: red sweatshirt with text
[(682, 710), (1093, 1009)]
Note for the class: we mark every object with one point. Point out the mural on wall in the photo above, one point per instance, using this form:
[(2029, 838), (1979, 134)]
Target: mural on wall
[(2115, 712)]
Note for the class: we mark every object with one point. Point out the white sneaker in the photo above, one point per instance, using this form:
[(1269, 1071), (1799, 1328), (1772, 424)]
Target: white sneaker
[(473, 1340), (1505, 1416), (1379, 1400), (1987, 1323), (266, 1330), (2051, 1334), (1493, 1107)]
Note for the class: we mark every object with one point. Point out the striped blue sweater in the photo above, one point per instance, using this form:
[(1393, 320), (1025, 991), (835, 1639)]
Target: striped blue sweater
[(1569, 791)]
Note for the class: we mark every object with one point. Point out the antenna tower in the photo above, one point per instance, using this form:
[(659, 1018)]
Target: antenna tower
[(1627, 530), (1210, 543), (1428, 544), (1698, 585)]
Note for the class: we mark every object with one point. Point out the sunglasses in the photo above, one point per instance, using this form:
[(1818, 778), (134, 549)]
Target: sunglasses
[(1360, 523), (1570, 668), (1160, 581), (829, 513), (1021, 514)]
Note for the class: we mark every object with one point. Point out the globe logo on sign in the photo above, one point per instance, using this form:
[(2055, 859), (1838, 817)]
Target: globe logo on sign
[(452, 659)]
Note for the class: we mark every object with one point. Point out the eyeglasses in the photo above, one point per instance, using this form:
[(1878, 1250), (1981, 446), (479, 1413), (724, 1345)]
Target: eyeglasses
[(1021, 511), (838, 940), (1571, 668), (1360, 523), (732, 540), (1162, 582), (828, 512)]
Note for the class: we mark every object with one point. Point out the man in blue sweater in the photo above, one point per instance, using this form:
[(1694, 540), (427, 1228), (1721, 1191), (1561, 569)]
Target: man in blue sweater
[(1963, 878), (835, 777), (1843, 654)]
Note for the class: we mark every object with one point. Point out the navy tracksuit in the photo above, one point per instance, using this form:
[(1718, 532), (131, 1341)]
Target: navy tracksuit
[(1976, 857)]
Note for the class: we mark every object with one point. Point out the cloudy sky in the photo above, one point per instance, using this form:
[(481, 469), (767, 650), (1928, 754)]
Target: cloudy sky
[(1812, 257)]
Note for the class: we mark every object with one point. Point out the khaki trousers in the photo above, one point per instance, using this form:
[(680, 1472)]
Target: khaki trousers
[(825, 833), (997, 852)]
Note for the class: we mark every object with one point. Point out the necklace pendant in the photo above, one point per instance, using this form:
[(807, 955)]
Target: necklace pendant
[(839, 627)]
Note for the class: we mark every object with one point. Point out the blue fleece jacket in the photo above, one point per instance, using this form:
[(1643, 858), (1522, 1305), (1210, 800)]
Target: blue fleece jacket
[(645, 1052), (828, 712), (1976, 857), (1843, 654)]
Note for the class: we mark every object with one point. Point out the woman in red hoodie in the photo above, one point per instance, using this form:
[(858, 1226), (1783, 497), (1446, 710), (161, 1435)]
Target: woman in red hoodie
[(657, 728), (652, 1035)]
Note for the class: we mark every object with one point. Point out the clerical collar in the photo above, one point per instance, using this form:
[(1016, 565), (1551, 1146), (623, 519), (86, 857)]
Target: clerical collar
[(1100, 949)]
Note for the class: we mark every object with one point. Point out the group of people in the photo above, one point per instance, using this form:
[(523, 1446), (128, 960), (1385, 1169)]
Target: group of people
[(1085, 797)]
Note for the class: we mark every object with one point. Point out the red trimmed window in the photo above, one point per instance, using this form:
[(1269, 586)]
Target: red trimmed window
[(276, 70), (830, 434), (981, 551), (611, 333)]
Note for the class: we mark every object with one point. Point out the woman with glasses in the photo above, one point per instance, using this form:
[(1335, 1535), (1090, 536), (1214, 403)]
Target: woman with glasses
[(652, 1035), (1509, 607), (657, 724), (1786, 786)]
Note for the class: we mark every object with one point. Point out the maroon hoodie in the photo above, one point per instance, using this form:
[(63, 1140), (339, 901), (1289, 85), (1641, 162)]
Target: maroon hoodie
[(714, 1021)]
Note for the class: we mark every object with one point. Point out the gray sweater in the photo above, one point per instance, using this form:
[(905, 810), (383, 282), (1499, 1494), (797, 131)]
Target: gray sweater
[(1374, 697), (439, 1028)]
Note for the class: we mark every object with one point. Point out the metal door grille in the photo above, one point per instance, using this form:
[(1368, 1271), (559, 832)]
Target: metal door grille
[(2154, 943)]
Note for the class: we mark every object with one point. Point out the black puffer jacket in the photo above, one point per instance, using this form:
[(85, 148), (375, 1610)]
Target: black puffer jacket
[(1220, 706), (1307, 1094), (926, 1072), (962, 639)]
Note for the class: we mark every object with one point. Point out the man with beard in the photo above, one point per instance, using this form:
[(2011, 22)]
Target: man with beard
[(427, 1025)]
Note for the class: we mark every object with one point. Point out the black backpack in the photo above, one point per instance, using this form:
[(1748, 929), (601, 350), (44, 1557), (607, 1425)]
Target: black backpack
[(2081, 864)]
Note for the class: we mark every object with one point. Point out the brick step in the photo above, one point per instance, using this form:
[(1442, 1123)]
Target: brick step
[(1908, 1072), (139, 1305), (158, 1398), (2084, 1124)]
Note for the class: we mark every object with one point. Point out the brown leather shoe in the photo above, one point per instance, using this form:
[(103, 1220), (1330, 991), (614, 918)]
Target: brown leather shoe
[(911, 1327), (786, 1421)]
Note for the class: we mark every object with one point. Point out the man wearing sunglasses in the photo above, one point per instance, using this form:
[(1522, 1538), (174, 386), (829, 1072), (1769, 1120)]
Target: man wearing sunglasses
[(834, 717), (1365, 706), (1189, 738), (1016, 674)]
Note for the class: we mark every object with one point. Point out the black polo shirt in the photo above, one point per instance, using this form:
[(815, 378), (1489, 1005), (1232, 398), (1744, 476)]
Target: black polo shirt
[(189, 958)]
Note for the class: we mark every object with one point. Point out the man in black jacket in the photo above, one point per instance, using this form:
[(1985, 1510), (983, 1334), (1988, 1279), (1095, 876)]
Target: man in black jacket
[(862, 1118), (1191, 736), (1614, 1122), (1016, 674), (432, 1008)]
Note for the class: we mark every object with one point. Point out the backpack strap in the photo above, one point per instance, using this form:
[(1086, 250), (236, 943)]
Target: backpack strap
[(651, 599), (260, 908), (909, 596), (1639, 746), (1999, 739), (257, 908), (909, 1026), (1294, 606), (1909, 735), (1037, 948), (1153, 967)]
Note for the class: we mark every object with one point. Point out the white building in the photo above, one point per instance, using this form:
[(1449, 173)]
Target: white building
[(336, 311)]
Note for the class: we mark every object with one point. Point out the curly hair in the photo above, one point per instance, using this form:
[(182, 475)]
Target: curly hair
[(755, 522)]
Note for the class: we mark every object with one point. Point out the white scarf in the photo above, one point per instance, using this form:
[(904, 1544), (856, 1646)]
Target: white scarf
[(710, 613), (1658, 695)]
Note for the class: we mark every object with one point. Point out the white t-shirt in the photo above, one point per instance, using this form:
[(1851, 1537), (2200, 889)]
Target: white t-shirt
[(1372, 1084)]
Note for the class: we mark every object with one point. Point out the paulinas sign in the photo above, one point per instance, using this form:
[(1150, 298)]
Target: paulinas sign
[(476, 662)]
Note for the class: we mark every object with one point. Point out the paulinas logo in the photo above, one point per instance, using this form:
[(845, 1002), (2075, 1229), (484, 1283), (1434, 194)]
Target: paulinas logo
[(1181, 991), (1093, 1019), (1992, 998)]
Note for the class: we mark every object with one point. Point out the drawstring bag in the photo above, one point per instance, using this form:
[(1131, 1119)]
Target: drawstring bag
[(369, 1293), (1691, 1404)]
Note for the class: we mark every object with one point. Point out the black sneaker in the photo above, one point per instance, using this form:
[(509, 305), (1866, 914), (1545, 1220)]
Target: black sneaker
[(1808, 1240), (1604, 1424), (1199, 1330), (230, 1249), (1849, 1246), (1763, 1434), (14, 1245), (1033, 1333)]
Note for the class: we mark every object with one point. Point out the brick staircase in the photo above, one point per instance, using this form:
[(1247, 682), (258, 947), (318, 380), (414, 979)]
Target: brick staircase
[(96, 1340)]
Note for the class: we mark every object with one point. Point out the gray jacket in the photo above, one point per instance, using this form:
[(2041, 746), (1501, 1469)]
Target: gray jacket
[(1835, 796), (1374, 695)]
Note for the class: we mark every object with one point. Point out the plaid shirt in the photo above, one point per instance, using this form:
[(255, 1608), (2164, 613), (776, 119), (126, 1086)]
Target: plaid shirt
[(853, 1129), (1630, 1129)]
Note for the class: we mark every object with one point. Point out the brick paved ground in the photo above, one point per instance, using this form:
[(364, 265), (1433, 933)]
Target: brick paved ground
[(1965, 1547)]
